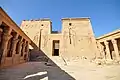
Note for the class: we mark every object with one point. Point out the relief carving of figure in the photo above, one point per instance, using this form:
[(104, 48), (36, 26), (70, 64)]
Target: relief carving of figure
[(36, 38), (72, 35), (65, 37), (45, 39)]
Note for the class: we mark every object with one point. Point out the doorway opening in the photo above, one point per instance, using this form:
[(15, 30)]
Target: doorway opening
[(55, 48)]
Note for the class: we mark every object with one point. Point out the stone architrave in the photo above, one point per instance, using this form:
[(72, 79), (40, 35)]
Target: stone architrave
[(107, 50), (116, 49)]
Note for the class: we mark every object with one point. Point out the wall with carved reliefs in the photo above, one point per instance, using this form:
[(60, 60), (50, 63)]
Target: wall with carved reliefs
[(37, 31), (76, 37)]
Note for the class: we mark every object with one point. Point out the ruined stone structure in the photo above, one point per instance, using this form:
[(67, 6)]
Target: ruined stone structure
[(109, 45), (14, 44), (75, 39)]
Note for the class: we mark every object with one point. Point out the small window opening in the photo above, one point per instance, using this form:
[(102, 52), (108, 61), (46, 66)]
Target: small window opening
[(70, 24), (41, 24)]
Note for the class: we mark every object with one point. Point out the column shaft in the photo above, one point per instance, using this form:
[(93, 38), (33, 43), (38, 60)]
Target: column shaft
[(19, 47), (107, 50), (0, 22), (14, 43), (1, 31), (0, 19), (116, 49), (23, 48), (4, 44), (27, 52)]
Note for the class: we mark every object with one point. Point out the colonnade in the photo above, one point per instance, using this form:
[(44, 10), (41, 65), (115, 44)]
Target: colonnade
[(109, 49), (13, 47)]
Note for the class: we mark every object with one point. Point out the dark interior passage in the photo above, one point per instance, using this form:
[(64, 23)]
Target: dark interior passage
[(55, 48)]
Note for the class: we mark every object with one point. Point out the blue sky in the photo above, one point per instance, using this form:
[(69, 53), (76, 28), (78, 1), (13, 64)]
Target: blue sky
[(104, 14)]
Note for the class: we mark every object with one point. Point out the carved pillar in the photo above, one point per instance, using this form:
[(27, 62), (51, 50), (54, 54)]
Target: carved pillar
[(27, 44), (0, 22), (1, 34), (19, 47), (116, 49), (27, 51), (0, 19), (5, 39), (14, 43), (107, 50), (99, 49), (23, 49)]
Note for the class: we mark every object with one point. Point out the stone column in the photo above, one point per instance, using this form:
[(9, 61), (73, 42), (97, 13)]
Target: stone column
[(0, 19), (27, 52), (1, 34), (99, 49), (13, 48), (5, 39), (0, 22), (27, 44), (19, 47), (23, 48), (116, 49), (14, 42), (107, 50)]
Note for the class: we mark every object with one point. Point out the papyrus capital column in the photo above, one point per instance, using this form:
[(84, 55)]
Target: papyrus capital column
[(19, 47), (107, 50), (24, 44), (5, 39), (27, 46), (14, 42), (0, 22), (27, 51), (116, 49), (0, 19), (1, 32)]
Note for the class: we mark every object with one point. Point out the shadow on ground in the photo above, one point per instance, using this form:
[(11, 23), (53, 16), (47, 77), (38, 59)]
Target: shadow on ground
[(40, 67)]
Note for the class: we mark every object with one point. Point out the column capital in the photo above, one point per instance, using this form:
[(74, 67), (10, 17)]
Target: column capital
[(16, 36), (106, 42), (114, 41), (8, 30), (6, 37), (24, 43), (21, 42), (15, 40)]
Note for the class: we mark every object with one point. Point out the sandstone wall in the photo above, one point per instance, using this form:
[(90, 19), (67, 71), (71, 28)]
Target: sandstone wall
[(76, 38), (83, 42)]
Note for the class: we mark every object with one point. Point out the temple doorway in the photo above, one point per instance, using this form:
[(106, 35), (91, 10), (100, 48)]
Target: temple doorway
[(55, 51)]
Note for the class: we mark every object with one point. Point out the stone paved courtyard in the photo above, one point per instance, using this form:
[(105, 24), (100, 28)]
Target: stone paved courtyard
[(72, 71)]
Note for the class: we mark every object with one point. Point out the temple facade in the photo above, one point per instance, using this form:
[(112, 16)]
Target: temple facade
[(75, 39)]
